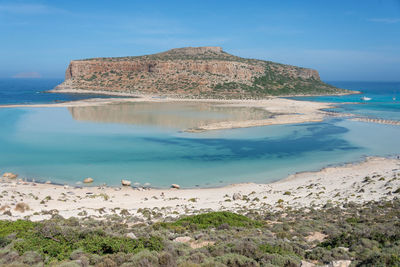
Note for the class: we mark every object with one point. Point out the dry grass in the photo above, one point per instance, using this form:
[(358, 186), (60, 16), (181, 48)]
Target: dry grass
[(22, 207)]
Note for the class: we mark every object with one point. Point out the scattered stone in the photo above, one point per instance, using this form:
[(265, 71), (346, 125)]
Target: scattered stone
[(342, 263), (88, 180), (131, 235), (307, 264), (10, 175), (126, 183), (316, 236), (124, 212), (7, 212), (176, 186), (193, 244), (4, 207), (198, 236), (237, 196), (183, 239), (196, 245)]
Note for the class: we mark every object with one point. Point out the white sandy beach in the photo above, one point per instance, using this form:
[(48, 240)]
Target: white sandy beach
[(372, 179)]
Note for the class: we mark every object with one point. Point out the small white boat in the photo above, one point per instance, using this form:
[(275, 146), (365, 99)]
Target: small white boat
[(366, 98)]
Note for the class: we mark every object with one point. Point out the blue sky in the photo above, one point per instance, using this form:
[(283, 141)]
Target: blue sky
[(343, 40)]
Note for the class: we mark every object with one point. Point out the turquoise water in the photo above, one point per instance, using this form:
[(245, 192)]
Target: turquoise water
[(145, 143), (49, 144), (384, 103)]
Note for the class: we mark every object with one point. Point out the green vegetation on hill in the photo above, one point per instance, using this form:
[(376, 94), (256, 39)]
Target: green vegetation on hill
[(368, 235), (277, 84)]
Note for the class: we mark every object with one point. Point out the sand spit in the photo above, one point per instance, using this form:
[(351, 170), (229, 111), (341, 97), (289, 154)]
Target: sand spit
[(375, 120), (372, 179), (286, 111)]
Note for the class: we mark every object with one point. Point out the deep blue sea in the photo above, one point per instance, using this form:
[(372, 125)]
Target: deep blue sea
[(33, 91), (145, 143)]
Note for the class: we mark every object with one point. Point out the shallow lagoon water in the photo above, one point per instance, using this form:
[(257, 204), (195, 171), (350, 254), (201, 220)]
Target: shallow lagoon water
[(145, 142), (177, 115), (59, 145)]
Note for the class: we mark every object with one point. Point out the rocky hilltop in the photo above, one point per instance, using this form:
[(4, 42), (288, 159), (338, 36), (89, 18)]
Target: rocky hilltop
[(193, 72)]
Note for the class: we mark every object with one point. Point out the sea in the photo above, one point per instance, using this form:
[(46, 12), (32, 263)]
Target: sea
[(146, 142)]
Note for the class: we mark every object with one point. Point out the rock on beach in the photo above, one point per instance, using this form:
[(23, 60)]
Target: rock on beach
[(176, 186), (126, 183), (88, 180), (10, 175)]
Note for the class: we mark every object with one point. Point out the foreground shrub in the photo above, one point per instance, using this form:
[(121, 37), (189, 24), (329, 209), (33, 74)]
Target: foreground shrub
[(144, 258), (57, 243), (235, 260), (367, 234), (213, 219)]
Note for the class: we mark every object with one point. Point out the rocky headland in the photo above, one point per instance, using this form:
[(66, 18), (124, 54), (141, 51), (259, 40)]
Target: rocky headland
[(193, 72)]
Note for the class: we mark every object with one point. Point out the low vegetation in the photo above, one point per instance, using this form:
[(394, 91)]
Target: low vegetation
[(368, 235), (278, 84)]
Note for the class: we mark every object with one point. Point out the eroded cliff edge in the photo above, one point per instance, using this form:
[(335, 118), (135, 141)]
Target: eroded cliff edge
[(206, 72)]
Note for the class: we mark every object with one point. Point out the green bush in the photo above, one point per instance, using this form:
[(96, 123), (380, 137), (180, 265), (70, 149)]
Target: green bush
[(235, 260), (213, 219), (58, 242), (19, 227)]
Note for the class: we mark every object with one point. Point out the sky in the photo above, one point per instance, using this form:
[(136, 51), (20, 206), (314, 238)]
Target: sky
[(352, 40)]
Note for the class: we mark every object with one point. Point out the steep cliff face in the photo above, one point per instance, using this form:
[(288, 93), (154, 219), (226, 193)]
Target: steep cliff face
[(193, 72)]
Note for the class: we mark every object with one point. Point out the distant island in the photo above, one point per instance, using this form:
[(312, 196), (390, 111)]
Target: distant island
[(193, 72)]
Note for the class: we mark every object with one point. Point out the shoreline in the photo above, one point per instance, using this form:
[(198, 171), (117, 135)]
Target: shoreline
[(81, 184), (284, 111), (116, 93), (373, 178)]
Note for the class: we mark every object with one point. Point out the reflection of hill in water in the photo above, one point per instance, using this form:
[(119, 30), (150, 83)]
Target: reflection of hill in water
[(176, 115)]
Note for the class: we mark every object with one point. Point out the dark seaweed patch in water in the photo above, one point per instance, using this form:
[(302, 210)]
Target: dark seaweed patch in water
[(318, 137)]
